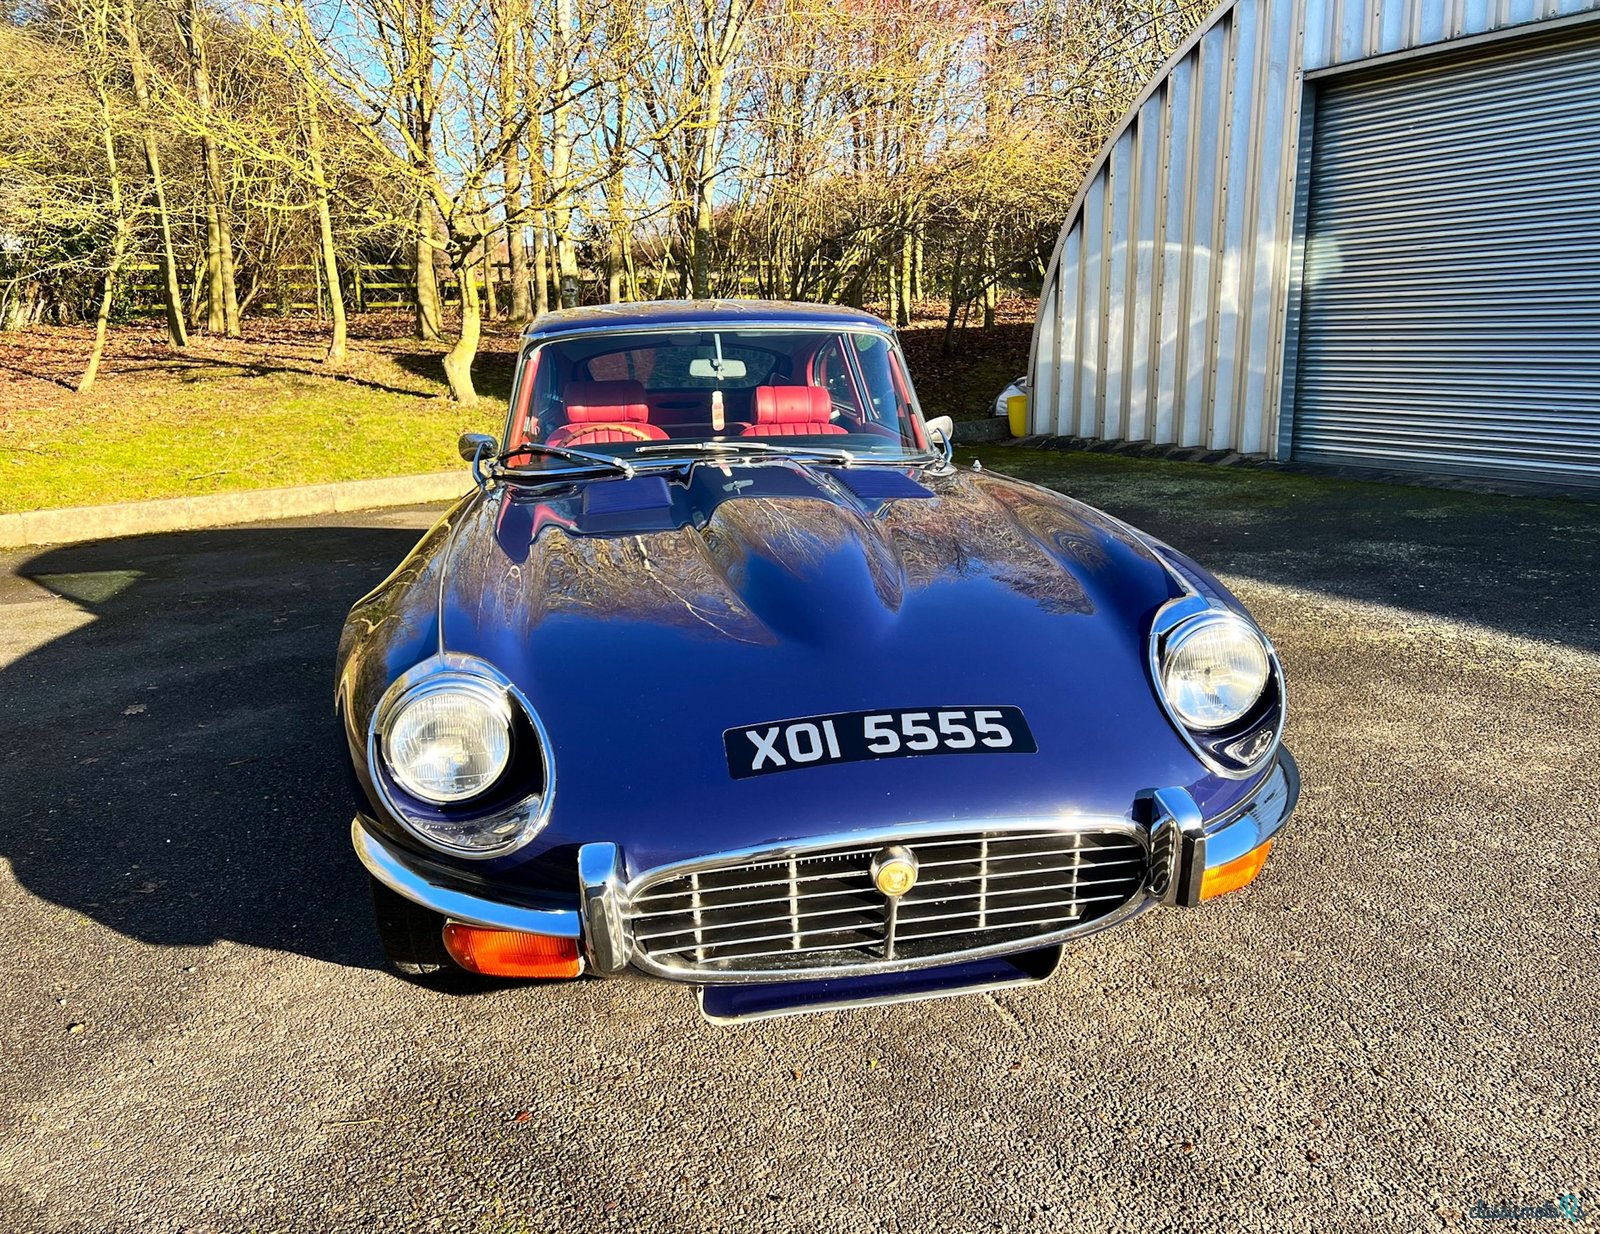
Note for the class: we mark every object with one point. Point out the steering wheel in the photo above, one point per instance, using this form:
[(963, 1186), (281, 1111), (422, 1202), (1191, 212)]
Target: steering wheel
[(589, 432)]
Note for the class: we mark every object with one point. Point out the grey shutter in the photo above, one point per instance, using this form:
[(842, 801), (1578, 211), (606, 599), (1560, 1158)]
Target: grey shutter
[(1450, 318)]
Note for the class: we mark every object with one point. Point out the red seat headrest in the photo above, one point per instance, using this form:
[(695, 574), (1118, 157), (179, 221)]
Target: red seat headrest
[(605, 402), (792, 405)]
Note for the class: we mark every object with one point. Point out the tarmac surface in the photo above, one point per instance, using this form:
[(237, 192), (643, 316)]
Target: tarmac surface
[(1397, 1021)]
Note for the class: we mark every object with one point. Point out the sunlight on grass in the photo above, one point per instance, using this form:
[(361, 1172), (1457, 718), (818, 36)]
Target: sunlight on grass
[(183, 439)]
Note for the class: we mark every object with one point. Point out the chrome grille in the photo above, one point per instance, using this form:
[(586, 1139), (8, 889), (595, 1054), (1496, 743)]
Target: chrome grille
[(818, 908)]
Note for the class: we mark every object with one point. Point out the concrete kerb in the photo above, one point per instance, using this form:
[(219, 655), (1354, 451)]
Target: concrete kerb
[(73, 524)]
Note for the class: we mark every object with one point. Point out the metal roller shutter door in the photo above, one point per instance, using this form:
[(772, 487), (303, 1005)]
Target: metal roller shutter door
[(1450, 312)]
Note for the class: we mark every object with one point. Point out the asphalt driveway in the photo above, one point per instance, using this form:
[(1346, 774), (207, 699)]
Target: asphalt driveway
[(1399, 1020)]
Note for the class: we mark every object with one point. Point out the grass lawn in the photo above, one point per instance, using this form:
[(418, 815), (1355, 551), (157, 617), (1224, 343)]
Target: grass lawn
[(256, 413), (1205, 498), (264, 411)]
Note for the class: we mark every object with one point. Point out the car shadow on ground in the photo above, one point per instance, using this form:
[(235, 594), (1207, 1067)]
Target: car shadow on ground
[(172, 767), (170, 764)]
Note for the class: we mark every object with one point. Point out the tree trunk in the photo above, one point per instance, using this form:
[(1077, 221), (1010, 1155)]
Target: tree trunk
[(197, 290), (458, 360), (892, 286), (172, 294), (705, 182), (991, 279), (491, 295), (907, 283), (516, 251), (420, 106), (428, 314), (616, 225), (629, 266), (616, 180), (521, 282), (541, 265), (216, 321), (947, 346), (231, 312), (918, 291), (222, 291), (561, 160), (330, 256), (119, 246)]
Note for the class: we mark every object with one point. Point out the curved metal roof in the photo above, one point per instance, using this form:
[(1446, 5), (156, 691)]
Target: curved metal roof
[(1167, 301)]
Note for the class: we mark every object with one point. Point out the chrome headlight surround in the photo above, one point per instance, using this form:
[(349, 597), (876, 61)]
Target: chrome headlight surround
[(509, 811), (1235, 748)]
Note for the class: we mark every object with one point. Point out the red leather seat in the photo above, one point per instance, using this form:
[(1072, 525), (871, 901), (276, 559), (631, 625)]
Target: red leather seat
[(602, 412), (792, 411)]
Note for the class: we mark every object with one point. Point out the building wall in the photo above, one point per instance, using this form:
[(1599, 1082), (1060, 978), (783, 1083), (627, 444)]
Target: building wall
[(1169, 298)]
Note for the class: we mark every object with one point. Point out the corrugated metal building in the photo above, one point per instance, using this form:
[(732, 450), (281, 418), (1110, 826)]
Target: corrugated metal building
[(1346, 231)]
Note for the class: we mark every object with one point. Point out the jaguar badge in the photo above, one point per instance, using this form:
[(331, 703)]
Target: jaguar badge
[(894, 871)]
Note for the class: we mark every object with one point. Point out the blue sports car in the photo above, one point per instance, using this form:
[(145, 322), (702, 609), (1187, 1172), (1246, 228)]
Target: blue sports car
[(725, 674)]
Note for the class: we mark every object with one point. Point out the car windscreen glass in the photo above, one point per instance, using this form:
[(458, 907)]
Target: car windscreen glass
[(623, 392)]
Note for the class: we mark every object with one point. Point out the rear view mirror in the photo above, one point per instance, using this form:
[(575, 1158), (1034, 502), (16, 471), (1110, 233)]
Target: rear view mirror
[(942, 429), (721, 370), (472, 446)]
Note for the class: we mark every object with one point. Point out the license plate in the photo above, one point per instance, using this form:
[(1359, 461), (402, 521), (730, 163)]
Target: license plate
[(862, 736)]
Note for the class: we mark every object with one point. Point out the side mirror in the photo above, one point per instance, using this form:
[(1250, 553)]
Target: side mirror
[(942, 429), (473, 445)]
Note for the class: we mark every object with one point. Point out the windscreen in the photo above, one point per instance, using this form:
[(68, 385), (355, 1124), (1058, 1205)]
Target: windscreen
[(620, 392)]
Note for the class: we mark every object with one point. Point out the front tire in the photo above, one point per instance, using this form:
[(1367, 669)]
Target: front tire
[(412, 937)]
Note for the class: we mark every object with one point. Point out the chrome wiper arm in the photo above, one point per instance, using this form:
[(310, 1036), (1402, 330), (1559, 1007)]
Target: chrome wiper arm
[(608, 461), (754, 447)]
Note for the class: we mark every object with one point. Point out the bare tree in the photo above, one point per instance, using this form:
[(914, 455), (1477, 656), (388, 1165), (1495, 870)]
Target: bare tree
[(94, 25), (222, 296), (177, 328)]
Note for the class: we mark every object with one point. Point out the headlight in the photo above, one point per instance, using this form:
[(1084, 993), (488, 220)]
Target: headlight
[(1213, 670), (448, 740)]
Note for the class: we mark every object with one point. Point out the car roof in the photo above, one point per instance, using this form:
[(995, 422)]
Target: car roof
[(708, 314)]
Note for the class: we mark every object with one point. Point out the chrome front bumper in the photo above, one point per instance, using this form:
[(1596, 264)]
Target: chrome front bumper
[(601, 920), (462, 906)]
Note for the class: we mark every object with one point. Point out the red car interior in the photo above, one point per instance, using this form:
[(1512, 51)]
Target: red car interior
[(792, 411), (600, 412)]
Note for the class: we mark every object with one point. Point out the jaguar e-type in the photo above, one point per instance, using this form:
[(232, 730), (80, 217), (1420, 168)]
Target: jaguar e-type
[(725, 673)]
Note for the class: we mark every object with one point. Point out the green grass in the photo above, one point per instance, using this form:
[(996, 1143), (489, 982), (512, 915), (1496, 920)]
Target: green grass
[(265, 412), (1198, 484), (202, 440), (224, 416), (1203, 494)]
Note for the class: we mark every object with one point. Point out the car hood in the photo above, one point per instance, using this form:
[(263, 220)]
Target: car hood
[(641, 617)]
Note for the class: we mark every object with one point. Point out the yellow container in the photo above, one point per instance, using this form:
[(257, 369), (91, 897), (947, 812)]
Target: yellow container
[(1017, 413)]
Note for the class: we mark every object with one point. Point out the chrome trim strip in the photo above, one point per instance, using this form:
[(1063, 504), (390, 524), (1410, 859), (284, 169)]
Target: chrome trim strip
[(1261, 820), (605, 934), (823, 325), (1175, 808), (909, 833), (460, 906)]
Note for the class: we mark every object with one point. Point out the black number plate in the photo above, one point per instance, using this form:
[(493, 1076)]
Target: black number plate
[(856, 736)]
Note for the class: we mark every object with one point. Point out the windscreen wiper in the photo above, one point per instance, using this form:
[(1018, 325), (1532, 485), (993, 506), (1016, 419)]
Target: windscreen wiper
[(607, 461), (817, 453)]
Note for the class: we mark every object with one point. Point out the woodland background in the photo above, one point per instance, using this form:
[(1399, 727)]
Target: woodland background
[(222, 159), (204, 189)]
